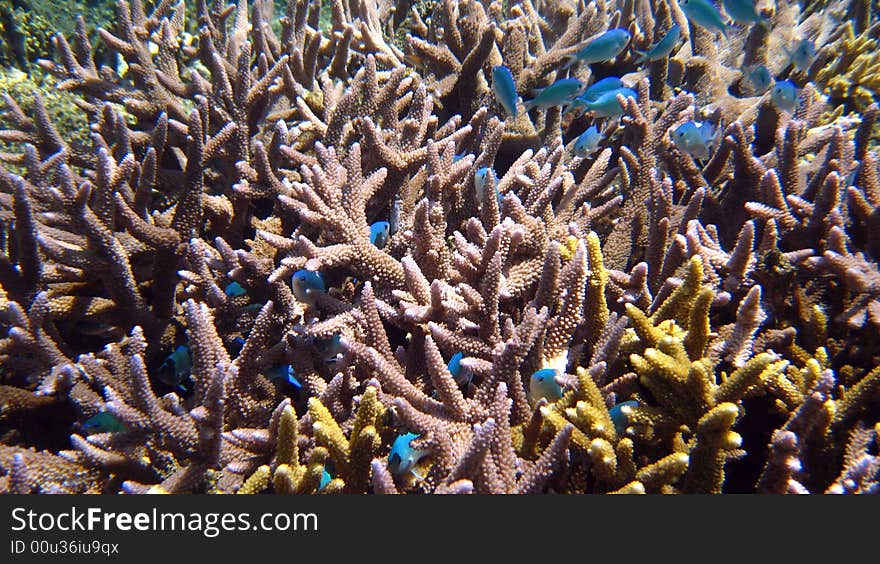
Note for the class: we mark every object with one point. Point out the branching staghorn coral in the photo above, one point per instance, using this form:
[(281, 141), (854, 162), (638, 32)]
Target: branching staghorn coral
[(531, 321)]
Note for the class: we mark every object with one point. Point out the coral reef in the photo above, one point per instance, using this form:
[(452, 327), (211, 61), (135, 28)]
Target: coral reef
[(312, 252)]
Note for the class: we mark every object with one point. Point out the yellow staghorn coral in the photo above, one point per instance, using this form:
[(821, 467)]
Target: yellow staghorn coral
[(853, 72), (595, 305), (679, 304), (714, 444)]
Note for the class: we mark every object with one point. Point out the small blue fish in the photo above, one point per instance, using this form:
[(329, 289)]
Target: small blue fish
[(235, 346), (460, 374), (326, 477), (618, 417), (603, 48), (394, 217), (255, 307), (176, 367), (803, 54), (695, 140), (379, 233), (598, 88), (588, 141), (760, 78), (662, 48), (234, 289), (504, 89), (330, 349), (305, 284), (403, 457), (559, 93), (606, 105), (93, 329), (704, 14), (482, 177), (744, 12), (103, 422), (543, 384), (283, 373), (784, 95), (458, 156)]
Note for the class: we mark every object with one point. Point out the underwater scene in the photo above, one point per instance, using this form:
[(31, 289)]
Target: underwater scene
[(440, 246)]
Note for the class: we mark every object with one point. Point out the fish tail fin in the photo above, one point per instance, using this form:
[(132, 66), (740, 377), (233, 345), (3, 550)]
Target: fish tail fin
[(528, 105), (642, 56), (569, 60)]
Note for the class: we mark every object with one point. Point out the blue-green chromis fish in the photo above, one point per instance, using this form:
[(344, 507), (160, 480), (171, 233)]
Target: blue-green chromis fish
[(784, 95), (103, 422), (704, 14), (605, 47), (543, 384), (403, 457), (235, 346), (234, 289), (744, 12), (588, 141), (305, 284), (326, 477), (598, 88), (803, 54), (176, 367), (618, 415), (460, 374), (662, 48), (695, 140), (559, 93), (283, 373), (606, 105), (760, 78), (330, 349), (379, 233), (483, 177), (504, 89), (394, 218)]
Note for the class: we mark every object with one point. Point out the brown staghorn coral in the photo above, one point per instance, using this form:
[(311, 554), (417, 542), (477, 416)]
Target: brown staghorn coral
[(224, 174)]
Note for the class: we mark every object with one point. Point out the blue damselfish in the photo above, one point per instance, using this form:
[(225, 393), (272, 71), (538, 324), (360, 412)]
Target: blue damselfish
[(403, 458), (744, 12), (306, 283), (176, 367), (618, 415), (504, 89), (103, 422), (460, 374), (784, 95), (234, 289), (542, 384), (606, 105), (695, 140), (379, 233), (662, 48), (559, 93), (605, 47), (704, 14), (588, 141)]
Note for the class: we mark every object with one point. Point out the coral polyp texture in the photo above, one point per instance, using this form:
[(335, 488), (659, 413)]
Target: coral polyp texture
[(444, 247)]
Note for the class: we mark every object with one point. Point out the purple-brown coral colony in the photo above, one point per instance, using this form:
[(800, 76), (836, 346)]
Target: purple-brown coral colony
[(317, 251)]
